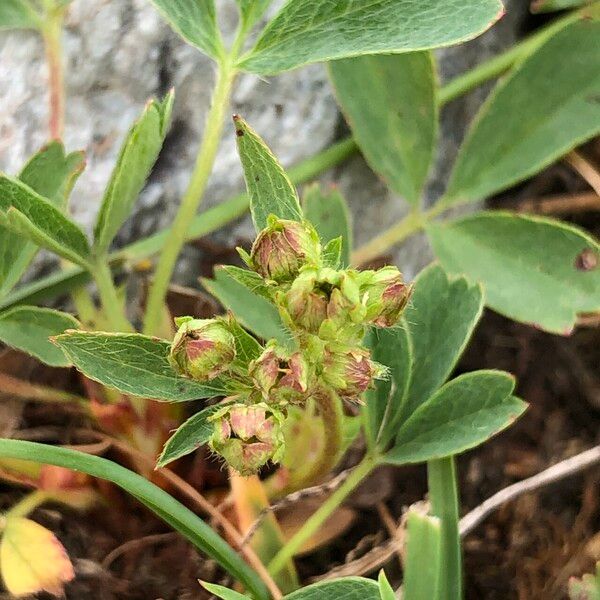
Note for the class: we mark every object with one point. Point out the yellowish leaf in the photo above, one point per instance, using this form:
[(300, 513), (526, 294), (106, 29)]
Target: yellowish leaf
[(32, 559)]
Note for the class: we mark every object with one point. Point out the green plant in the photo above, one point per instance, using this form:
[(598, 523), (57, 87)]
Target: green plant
[(322, 333)]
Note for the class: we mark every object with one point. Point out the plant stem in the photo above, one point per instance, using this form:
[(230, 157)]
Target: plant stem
[(404, 228), (191, 200), (27, 504), (316, 520), (52, 32), (443, 495), (111, 303)]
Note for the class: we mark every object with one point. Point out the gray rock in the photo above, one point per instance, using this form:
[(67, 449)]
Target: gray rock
[(119, 53)]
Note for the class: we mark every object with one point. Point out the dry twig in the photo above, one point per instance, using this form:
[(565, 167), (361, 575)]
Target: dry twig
[(557, 472), (585, 168)]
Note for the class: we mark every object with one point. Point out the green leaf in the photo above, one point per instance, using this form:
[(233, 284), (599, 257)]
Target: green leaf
[(328, 211), (26, 212), (390, 104), (543, 109), (249, 279), (543, 6), (247, 348), (222, 592), (28, 328), (423, 557), (384, 403), (347, 588), (52, 174), (253, 312), (195, 432), (440, 318), (172, 512), (385, 589), (332, 253), (461, 415), (533, 269), (136, 159), (319, 30), (195, 21), (270, 189), (251, 11), (133, 364), (18, 14)]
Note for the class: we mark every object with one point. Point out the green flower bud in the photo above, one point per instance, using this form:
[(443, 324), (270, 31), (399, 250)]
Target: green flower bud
[(350, 372), (202, 349), (248, 437), (306, 302), (386, 296), (326, 302), (282, 248)]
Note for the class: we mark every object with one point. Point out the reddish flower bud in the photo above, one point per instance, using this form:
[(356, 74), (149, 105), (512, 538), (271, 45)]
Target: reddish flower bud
[(293, 386), (386, 296), (350, 372), (247, 437), (282, 248), (280, 378), (306, 303), (265, 370), (202, 349)]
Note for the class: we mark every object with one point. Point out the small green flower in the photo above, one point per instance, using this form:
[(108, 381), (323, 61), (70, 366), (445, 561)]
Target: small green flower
[(248, 436), (202, 348), (283, 248)]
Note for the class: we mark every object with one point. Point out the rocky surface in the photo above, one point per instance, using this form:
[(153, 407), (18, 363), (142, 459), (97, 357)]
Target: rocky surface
[(120, 52)]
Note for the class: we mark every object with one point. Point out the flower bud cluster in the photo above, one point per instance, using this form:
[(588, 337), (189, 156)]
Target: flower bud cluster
[(328, 311)]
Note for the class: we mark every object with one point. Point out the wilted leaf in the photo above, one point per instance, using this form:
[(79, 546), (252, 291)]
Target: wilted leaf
[(29, 328), (269, 188), (460, 415), (318, 30), (548, 105), (390, 104), (536, 270), (133, 364), (32, 559)]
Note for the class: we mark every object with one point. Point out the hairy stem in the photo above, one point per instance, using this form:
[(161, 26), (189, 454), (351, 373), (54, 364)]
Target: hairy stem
[(443, 495), (112, 305), (316, 520), (191, 200)]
